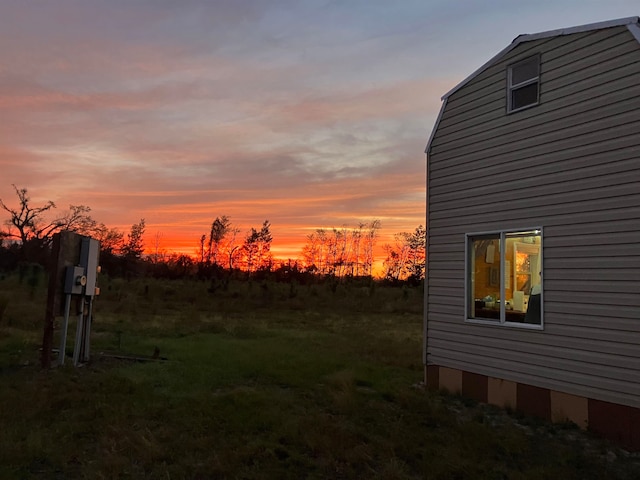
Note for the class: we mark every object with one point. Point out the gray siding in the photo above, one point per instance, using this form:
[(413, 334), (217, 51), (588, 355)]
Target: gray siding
[(571, 165)]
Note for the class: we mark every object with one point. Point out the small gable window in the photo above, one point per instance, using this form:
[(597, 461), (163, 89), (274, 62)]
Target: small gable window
[(523, 84)]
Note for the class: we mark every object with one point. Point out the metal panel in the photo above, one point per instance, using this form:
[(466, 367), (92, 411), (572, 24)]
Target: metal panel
[(617, 376), (617, 67), (465, 104), (557, 127), (484, 80), (552, 150), (593, 239), (624, 43), (467, 101), (601, 353), (586, 252), (571, 165), (541, 376), (609, 49), (587, 166), (617, 329), (587, 285), (512, 183), (436, 282), (605, 312), (577, 45), (585, 222), (577, 100), (586, 336), (522, 40), (539, 204)]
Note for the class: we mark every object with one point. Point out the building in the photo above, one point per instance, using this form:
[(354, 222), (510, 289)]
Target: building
[(533, 245)]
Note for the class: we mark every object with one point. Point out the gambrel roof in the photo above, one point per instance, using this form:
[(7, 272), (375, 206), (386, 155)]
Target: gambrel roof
[(632, 24)]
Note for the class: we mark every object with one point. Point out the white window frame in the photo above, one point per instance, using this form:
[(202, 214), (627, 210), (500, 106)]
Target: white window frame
[(469, 237), (511, 87)]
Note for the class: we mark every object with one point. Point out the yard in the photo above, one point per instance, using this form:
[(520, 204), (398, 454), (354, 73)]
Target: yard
[(258, 380)]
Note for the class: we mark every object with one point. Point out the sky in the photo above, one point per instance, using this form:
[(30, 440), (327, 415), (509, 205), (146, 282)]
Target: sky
[(311, 114)]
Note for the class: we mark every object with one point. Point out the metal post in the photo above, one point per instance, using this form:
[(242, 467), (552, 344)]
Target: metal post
[(79, 336), (64, 329), (87, 325)]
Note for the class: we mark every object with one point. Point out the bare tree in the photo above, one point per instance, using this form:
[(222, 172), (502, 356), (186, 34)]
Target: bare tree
[(395, 263), (257, 248), (233, 255), (250, 249), (158, 255), (311, 251), (356, 236), (202, 249), (111, 239), (27, 219), (33, 229), (406, 259), (77, 219), (343, 251), (321, 234), (370, 238), (345, 248), (220, 229)]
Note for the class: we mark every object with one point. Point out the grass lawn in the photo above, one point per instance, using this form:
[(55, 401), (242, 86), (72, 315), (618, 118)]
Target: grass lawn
[(260, 381)]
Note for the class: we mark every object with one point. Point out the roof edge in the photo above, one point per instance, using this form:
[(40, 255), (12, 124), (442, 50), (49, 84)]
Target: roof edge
[(634, 28), (435, 126), (630, 22), (620, 22)]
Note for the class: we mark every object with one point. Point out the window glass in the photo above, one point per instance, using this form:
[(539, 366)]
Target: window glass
[(523, 96), (524, 84), (524, 71), (504, 275), (485, 277)]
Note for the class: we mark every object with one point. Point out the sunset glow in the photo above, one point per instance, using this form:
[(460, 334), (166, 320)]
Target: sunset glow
[(310, 114)]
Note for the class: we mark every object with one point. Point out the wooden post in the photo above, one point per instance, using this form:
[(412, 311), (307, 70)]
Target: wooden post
[(50, 314)]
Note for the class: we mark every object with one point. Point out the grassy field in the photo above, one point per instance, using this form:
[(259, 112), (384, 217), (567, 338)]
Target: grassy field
[(259, 381)]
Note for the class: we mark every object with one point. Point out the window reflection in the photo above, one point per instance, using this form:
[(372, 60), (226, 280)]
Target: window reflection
[(485, 259), (505, 284)]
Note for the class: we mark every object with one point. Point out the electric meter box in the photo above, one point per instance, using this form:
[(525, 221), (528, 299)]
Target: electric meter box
[(89, 255), (75, 280), (71, 250), (73, 274)]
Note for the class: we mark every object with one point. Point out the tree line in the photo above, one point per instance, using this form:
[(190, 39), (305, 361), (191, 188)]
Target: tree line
[(334, 253), (220, 248)]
